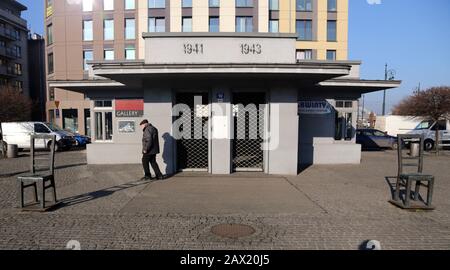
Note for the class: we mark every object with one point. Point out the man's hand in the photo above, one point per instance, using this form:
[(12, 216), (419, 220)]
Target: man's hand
[(145, 152)]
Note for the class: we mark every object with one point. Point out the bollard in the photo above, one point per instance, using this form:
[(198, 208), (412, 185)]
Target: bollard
[(414, 149), (12, 151)]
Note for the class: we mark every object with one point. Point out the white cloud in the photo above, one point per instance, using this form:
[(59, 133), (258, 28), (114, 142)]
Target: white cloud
[(374, 2)]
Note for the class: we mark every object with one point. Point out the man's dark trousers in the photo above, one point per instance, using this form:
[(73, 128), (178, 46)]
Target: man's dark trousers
[(152, 160)]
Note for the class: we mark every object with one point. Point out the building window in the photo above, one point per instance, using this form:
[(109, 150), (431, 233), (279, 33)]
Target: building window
[(50, 63), (304, 55), (214, 3), (304, 29), (156, 3), (344, 104), (50, 34), (87, 30), (331, 30), (186, 3), (108, 54), (130, 53), (130, 29), (18, 51), (304, 5), (213, 24), (244, 3), (156, 24), (108, 4), (108, 29), (331, 55), (244, 24), (103, 120), (186, 24), (17, 69), (87, 5), (273, 26), (88, 55), (332, 5), (273, 4), (130, 4), (18, 85)]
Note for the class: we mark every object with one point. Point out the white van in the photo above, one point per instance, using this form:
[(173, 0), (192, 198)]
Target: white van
[(429, 127), (19, 133)]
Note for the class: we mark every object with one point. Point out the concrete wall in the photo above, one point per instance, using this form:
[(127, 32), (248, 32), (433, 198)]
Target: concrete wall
[(283, 121)]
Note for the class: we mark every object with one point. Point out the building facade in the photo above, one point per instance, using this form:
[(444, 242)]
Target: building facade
[(79, 31), (13, 46), (231, 85), (37, 76)]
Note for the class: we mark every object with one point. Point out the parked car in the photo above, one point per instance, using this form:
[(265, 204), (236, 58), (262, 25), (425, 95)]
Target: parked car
[(19, 133), (428, 129), (81, 140), (375, 139)]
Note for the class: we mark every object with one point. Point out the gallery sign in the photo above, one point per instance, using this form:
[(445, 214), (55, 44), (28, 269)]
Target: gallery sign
[(129, 107), (314, 107)]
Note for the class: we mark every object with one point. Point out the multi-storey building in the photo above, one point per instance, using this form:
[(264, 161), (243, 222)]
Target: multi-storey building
[(262, 85), (13, 46), (79, 31)]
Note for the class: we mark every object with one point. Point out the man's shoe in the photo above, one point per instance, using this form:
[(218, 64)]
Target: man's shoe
[(162, 177), (146, 178)]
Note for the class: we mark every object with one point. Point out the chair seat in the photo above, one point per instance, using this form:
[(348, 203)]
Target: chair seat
[(36, 176), (417, 176)]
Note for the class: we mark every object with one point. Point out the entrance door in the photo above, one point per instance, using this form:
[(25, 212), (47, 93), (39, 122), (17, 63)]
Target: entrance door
[(248, 131), (192, 147)]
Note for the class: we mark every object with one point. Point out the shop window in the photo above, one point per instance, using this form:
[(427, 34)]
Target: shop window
[(70, 120), (103, 104), (103, 126)]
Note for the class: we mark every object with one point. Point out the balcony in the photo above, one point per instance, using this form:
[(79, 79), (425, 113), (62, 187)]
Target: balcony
[(9, 53), (7, 71), (8, 34)]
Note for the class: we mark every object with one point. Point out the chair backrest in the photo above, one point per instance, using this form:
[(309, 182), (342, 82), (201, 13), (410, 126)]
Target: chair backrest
[(410, 161), (42, 162)]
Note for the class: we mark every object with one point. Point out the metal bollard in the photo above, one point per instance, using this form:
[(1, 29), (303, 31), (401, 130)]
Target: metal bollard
[(414, 149), (12, 151)]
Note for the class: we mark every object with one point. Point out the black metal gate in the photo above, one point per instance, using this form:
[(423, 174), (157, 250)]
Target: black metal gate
[(248, 131), (192, 152)]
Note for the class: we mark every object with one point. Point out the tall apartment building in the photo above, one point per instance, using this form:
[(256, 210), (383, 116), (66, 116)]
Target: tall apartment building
[(78, 31), (13, 46)]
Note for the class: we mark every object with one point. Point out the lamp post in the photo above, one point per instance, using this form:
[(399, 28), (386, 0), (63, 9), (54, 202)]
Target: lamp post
[(388, 75)]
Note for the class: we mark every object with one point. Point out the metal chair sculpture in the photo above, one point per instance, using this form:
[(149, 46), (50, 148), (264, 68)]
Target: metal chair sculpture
[(406, 179), (41, 176)]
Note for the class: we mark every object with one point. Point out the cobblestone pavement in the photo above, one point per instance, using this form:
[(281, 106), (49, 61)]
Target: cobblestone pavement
[(339, 207)]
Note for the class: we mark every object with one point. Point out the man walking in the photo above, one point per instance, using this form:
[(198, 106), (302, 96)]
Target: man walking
[(150, 148)]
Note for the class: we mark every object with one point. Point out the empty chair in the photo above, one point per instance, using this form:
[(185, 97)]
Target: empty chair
[(406, 178), (41, 176)]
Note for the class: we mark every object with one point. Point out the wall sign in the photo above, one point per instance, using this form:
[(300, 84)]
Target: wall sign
[(127, 126), (314, 107), (129, 107)]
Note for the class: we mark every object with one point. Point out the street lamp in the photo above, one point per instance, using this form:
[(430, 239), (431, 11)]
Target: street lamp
[(388, 75)]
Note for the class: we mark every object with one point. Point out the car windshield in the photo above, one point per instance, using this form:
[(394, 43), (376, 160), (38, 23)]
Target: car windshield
[(54, 127), (424, 125)]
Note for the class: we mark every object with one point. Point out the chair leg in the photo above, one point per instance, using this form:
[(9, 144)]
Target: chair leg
[(35, 193), (54, 190), (417, 190), (430, 192), (20, 187), (397, 190), (42, 191), (408, 193)]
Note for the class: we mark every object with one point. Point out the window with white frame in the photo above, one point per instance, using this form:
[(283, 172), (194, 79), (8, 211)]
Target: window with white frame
[(103, 120), (130, 53), (156, 24), (304, 54), (108, 29), (108, 4), (130, 4), (87, 5), (130, 28), (108, 54), (88, 33)]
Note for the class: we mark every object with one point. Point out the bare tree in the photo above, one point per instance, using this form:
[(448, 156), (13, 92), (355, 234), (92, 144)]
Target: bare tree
[(14, 106), (433, 104)]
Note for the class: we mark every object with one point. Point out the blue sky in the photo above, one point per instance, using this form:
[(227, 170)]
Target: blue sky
[(412, 36)]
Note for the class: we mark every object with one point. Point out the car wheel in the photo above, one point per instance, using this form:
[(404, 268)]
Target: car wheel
[(428, 145), (57, 148), (394, 146)]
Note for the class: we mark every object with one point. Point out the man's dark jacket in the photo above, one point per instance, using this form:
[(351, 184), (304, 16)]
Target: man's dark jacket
[(150, 142)]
